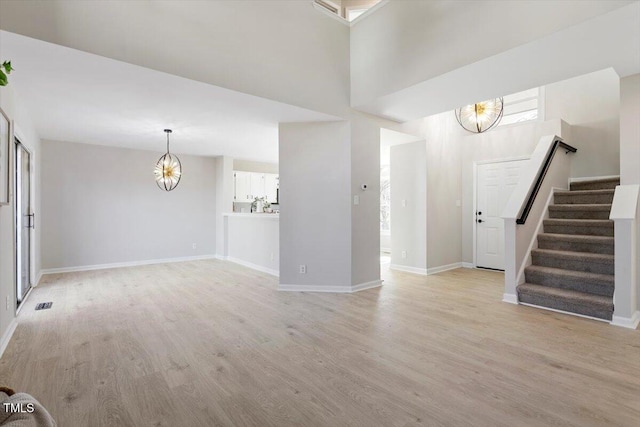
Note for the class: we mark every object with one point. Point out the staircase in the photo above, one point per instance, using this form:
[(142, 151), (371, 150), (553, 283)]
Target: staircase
[(572, 269)]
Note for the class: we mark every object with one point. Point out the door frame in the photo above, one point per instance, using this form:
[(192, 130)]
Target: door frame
[(475, 195), (18, 137)]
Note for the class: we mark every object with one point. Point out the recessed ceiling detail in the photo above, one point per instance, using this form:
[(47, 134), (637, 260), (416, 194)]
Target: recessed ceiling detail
[(97, 100)]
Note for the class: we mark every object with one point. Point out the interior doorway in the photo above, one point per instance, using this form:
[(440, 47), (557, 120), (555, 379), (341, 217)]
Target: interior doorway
[(25, 220), (495, 182)]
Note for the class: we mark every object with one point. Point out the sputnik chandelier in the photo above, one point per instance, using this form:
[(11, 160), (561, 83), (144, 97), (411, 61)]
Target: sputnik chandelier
[(482, 116), (168, 169)]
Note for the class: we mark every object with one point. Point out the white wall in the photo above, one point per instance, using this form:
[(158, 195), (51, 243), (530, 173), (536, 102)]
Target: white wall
[(409, 223), (591, 105), (315, 221), (254, 241), (630, 146), (365, 217), (441, 133), (10, 104), (101, 205), (630, 129), (277, 49)]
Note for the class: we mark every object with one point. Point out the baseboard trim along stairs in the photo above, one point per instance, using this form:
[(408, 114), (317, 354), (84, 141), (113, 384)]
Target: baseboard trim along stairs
[(572, 269)]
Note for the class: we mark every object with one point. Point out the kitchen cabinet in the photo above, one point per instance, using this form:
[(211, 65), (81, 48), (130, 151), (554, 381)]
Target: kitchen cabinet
[(257, 185), (242, 186), (249, 185), (271, 187)]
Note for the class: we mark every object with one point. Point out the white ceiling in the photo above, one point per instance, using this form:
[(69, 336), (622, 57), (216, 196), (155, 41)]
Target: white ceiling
[(80, 97), (610, 40)]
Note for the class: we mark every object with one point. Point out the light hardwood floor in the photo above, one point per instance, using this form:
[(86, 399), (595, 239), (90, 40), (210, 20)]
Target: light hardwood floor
[(212, 343)]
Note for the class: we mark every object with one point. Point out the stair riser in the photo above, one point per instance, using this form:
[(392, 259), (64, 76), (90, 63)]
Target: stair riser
[(579, 214), (588, 266), (577, 186), (560, 304), (582, 199), (575, 229), (571, 283), (592, 248)]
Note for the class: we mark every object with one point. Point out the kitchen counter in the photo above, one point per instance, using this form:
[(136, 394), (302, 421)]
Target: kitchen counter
[(253, 215)]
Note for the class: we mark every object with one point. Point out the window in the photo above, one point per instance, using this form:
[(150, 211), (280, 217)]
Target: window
[(385, 199), (521, 107)]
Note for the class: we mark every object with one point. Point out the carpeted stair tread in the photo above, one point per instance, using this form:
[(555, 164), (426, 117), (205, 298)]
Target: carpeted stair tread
[(582, 197), (581, 207), (580, 211), (601, 258), (576, 243), (576, 261), (561, 273), (584, 192), (593, 283), (596, 184), (590, 227), (577, 238), (566, 300)]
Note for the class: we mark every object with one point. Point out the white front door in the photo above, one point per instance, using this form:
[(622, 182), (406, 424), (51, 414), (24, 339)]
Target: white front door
[(494, 184)]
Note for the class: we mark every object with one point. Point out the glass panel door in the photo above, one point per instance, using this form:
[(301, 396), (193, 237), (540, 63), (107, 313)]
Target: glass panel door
[(24, 220)]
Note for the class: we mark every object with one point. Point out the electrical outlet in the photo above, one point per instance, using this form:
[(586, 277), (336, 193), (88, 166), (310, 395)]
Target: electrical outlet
[(356, 200), (271, 256), (302, 269), (194, 246), (8, 302), (404, 203), (404, 254)]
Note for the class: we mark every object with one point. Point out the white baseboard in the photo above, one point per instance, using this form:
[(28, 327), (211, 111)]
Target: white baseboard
[(627, 322), (366, 285), (342, 289), (510, 298), (441, 268), (408, 269), (4, 342), (468, 265), (251, 265), (123, 264)]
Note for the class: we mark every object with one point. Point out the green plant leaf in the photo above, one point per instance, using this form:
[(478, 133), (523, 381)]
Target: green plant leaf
[(7, 66), (3, 79)]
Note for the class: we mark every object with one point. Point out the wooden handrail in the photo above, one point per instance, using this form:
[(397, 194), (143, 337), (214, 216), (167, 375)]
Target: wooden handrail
[(557, 142)]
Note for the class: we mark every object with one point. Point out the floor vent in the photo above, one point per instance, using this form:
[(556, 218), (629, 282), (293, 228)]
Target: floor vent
[(44, 305)]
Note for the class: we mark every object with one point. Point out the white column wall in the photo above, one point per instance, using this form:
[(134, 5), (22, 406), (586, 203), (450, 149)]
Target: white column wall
[(315, 202)]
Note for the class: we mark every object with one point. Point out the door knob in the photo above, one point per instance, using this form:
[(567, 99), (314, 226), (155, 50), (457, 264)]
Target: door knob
[(480, 220)]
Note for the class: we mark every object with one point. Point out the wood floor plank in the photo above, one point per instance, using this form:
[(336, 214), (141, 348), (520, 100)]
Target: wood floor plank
[(211, 343)]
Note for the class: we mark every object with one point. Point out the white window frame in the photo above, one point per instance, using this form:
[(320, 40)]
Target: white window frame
[(540, 107)]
